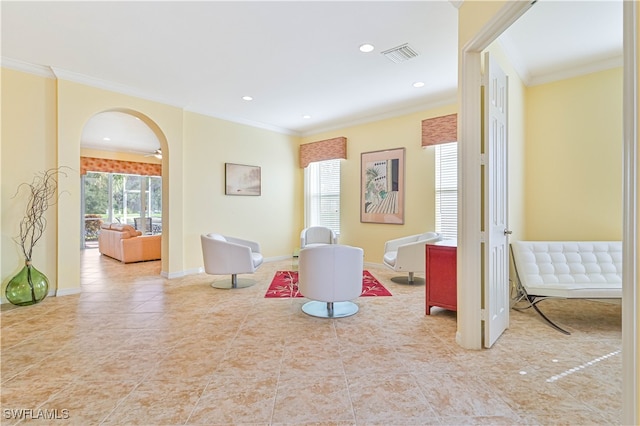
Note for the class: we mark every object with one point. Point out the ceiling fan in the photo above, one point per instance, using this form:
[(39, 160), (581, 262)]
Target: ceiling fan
[(157, 153)]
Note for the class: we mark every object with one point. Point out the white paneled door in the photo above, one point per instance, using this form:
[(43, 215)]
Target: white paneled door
[(496, 233)]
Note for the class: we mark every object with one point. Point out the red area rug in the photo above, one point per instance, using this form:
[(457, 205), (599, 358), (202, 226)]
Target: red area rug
[(285, 284)]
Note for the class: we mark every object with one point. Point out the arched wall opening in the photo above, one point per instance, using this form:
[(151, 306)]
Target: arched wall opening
[(130, 136), (75, 104)]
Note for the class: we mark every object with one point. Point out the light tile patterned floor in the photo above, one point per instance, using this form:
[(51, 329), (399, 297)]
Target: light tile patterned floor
[(134, 348)]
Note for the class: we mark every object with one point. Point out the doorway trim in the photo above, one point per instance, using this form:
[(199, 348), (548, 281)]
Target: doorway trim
[(630, 249), (469, 331)]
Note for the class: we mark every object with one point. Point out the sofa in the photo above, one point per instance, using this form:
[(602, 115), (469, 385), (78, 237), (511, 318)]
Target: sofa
[(569, 269), (124, 243), (566, 269)]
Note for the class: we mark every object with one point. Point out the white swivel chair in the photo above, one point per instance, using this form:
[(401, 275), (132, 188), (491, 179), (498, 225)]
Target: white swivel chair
[(225, 255), (407, 254), (317, 235), (331, 276)]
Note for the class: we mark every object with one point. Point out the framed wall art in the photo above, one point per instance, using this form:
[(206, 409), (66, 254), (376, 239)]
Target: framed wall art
[(382, 186), (242, 180)]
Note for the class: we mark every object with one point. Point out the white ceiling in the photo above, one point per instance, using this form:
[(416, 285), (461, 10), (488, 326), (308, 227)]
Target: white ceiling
[(293, 58), (560, 39)]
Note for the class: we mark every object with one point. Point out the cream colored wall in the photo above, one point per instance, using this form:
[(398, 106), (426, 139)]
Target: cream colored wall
[(404, 131), (574, 158), (28, 146), (472, 16), (274, 218)]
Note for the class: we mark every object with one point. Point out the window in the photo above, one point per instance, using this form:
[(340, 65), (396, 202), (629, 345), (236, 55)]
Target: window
[(447, 189), (123, 198), (322, 194)]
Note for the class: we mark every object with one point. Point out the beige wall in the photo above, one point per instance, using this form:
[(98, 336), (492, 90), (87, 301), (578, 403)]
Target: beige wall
[(574, 158), (473, 15), (28, 147), (274, 219), (404, 131)]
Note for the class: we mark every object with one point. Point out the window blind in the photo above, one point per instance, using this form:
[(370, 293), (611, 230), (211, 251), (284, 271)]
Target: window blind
[(322, 194), (447, 189)]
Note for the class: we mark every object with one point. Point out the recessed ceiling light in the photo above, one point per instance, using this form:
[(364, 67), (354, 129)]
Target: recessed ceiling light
[(306, 116), (106, 139), (418, 84), (247, 98), (366, 48)]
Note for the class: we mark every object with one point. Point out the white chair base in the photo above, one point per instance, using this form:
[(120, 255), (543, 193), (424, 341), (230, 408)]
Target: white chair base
[(329, 309), (410, 280), (234, 282)]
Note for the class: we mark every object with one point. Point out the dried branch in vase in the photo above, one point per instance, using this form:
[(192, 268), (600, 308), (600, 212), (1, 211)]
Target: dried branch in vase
[(42, 195)]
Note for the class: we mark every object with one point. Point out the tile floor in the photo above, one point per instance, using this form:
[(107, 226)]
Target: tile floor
[(134, 348)]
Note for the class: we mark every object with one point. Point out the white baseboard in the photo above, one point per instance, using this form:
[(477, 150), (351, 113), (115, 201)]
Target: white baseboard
[(199, 270), (65, 292), (610, 301), (278, 258), (181, 274)]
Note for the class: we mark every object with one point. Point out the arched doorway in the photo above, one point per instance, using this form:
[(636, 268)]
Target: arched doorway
[(121, 157)]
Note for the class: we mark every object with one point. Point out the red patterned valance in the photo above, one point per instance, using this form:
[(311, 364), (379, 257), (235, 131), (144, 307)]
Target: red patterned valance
[(329, 149), (440, 130), (90, 164)]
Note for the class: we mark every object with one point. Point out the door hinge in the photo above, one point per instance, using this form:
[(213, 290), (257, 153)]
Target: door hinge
[(483, 314), (482, 237), (483, 159)]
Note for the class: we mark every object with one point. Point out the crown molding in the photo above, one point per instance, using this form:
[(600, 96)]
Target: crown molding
[(39, 70), (577, 71), (448, 99), (62, 74), (75, 77), (530, 80), (250, 123)]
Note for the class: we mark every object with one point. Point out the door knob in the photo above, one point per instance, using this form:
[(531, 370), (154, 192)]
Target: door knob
[(507, 232)]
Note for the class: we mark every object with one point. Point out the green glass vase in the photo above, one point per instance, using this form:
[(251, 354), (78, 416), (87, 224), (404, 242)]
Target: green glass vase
[(29, 287)]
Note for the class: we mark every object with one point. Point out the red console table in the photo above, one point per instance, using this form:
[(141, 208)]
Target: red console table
[(440, 276)]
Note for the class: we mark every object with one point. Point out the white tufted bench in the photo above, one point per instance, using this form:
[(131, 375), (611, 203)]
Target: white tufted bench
[(567, 269)]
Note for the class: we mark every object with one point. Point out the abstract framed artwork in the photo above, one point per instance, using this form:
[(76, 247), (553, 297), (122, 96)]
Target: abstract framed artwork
[(242, 180), (382, 186)]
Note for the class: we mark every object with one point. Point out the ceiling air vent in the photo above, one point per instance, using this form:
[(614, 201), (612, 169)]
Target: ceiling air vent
[(400, 54)]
